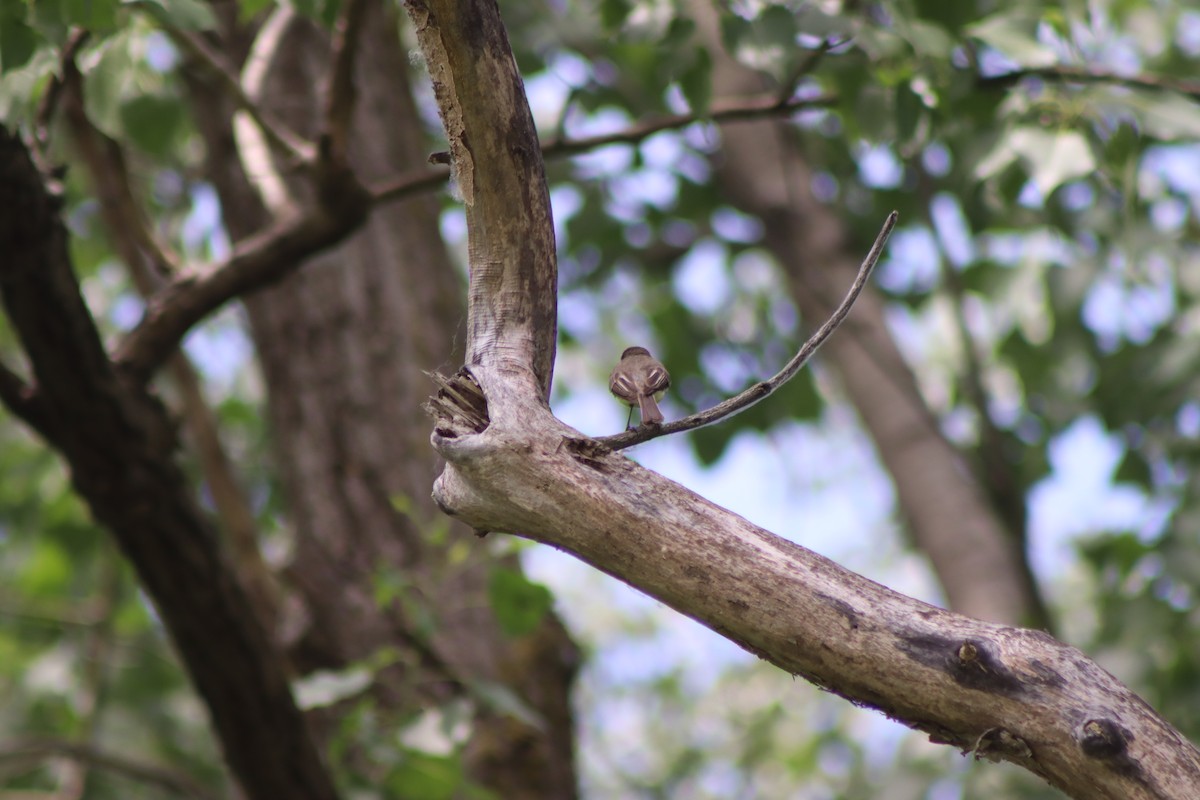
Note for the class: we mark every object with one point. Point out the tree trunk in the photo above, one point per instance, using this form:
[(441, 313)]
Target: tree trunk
[(344, 344), (120, 445)]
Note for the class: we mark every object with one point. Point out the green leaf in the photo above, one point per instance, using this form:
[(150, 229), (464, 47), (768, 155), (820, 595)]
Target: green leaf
[(1053, 157), (188, 15), (326, 687), (50, 17), (423, 776), (930, 40), (249, 9), (696, 82), (518, 603), (950, 15), (107, 81), (679, 32), (504, 700), (733, 30), (18, 43), (613, 13), (95, 15), (1166, 115), (1014, 35), (1056, 157), (776, 26), (1134, 469), (153, 122), (48, 569)]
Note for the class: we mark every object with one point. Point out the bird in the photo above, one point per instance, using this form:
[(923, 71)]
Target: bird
[(638, 380)]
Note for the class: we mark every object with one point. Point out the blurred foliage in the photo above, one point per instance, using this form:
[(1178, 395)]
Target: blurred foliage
[(1049, 235)]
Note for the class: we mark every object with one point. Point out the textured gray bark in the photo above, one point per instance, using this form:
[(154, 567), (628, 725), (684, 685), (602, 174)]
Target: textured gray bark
[(1001, 692)]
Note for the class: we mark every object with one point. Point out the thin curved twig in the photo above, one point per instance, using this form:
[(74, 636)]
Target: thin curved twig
[(761, 107), (295, 147), (806, 67), (1069, 74), (42, 748), (729, 111), (48, 105), (341, 93), (765, 388)]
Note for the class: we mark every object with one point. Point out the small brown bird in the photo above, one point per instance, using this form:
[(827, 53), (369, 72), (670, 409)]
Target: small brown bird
[(638, 380)]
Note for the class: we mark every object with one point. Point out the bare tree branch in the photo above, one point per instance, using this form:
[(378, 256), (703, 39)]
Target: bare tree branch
[(300, 151), (48, 105), (806, 67), (119, 443), (257, 261), (556, 147), (1000, 692), (148, 259), (997, 691), (512, 308), (726, 111), (765, 388), (414, 181), (22, 400), (149, 264), (341, 94), (40, 749), (1065, 73)]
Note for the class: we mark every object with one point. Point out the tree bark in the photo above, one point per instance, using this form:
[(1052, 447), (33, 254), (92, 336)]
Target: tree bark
[(1000, 692), (120, 445), (344, 344)]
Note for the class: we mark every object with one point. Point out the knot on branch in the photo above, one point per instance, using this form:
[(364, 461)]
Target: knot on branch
[(1106, 741), (1103, 739), (589, 452), (978, 665), (459, 407), (975, 663), (996, 744)]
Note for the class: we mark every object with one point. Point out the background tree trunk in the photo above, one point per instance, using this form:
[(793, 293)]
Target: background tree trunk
[(344, 344)]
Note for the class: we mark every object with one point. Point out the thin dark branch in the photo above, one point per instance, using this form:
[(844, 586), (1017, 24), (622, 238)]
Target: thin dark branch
[(149, 261), (149, 265), (22, 400), (255, 262), (283, 138), (805, 67), (341, 94), (161, 777), (412, 182), (730, 111), (49, 102), (765, 388), (265, 258), (1066, 73), (119, 442), (765, 106)]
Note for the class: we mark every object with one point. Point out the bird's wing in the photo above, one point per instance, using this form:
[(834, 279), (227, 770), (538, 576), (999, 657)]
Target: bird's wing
[(622, 387), (657, 380)]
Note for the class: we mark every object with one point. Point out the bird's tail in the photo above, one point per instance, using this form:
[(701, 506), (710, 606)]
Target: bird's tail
[(649, 408)]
